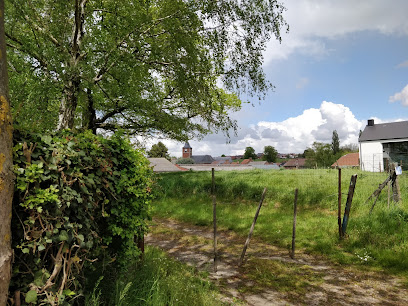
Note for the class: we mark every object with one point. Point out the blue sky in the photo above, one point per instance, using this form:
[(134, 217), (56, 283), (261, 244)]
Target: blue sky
[(340, 64)]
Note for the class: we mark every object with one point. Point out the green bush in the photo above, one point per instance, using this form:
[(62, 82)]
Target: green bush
[(185, 161), (78, 198)]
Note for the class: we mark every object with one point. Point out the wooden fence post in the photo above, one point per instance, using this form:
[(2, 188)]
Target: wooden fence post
[(252, 228), (292, 254), (339, 204), (214, 218), (348, 203)]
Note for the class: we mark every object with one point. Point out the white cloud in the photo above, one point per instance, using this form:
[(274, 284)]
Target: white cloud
[(312, 21), (292, 135), (401, 96)]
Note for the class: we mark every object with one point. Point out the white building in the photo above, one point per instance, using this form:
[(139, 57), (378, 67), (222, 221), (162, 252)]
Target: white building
[(381, 144)]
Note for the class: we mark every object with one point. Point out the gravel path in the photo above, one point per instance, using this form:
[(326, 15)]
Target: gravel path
[(269, 276)]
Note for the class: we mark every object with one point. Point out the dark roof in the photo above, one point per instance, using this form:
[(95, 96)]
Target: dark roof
[(384, 131), (202, 159), (187, 145)]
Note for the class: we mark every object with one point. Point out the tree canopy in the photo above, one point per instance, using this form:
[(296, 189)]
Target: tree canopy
[(250, 153), (175, 67), (320, 155), (335, 145), (159, 150), (270, 154)]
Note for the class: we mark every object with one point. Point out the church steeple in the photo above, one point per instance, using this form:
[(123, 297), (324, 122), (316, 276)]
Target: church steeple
[(187, 150)]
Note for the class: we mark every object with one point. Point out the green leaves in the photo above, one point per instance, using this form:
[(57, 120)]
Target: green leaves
[(31, 296), (144, 66), (80, 196)]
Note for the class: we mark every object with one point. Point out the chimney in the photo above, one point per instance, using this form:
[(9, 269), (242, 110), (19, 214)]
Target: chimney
[(370, 122)]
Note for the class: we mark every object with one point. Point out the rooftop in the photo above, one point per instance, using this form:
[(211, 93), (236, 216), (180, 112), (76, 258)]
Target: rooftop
[(385, 131)]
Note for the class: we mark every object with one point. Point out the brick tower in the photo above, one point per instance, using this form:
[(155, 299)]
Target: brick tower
[(187, 150)]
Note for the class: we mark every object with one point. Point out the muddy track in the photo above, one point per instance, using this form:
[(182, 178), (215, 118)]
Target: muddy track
[(269, 276)]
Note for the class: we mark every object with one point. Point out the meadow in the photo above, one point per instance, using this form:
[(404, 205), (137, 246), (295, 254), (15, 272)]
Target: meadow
[(155, 280), (377, 240)]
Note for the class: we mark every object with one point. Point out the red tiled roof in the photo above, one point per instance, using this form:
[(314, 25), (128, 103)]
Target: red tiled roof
[(181, 168), (348, 160), (246, 161)]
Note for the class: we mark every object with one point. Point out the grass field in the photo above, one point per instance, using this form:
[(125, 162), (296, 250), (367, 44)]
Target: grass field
[(376, 240), (155, 280)]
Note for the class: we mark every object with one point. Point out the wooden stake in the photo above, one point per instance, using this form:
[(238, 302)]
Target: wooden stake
[(252, 228), (214, 219), (292, 254), (396, 190), (348, 203), (339, 205)]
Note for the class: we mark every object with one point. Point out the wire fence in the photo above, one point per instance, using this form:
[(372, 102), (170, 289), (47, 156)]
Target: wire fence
[(318, 187)]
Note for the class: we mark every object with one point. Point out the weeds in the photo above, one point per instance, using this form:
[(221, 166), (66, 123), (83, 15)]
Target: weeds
[(155, 280)]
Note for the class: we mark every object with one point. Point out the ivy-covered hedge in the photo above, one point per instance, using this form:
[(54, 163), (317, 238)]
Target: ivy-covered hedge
[(78, 198)]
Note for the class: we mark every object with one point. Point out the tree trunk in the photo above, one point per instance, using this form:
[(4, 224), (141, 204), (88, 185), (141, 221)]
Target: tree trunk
[(6, 169), (69, 100), (90, 116), (68, 104)]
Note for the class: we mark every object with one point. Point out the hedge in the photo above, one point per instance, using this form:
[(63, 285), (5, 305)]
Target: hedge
[(78, 198)]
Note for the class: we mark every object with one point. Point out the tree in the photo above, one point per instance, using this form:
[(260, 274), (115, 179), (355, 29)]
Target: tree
[(335, 145), (159, 150), (320, 155), (145, 66), (250, 153), (6, 169), (270, 154), (350, 148)]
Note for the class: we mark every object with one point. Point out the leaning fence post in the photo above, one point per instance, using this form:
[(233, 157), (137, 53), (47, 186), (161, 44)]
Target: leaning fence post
[(292, 254), (348, 203), (339, 204), (252, 228), (214, 218)]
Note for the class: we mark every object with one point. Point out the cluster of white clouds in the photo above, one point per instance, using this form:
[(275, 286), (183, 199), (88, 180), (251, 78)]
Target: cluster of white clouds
[(311, 22), (401, 96), (292, 135)]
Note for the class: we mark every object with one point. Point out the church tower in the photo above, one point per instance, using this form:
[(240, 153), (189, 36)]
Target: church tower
[(187, 150)]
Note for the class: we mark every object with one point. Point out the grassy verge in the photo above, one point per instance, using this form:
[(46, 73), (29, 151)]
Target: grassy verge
[(157, 280), (376, 240)]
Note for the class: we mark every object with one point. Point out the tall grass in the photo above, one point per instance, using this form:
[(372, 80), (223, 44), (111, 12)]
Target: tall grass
[(155, 280), (379, 239)]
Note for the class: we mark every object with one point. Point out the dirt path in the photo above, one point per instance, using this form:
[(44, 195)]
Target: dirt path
[(269, 276)]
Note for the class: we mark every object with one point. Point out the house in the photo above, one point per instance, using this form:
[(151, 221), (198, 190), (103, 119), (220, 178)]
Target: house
[(223, 159), (382, 144), (187, 152), (202, 159), (350, 160), (295, 163)]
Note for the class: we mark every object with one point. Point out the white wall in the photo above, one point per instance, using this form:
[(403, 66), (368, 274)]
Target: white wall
[(371, 156)]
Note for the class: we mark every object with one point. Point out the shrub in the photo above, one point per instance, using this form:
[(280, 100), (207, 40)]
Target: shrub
[(77, 197), (185, 161)]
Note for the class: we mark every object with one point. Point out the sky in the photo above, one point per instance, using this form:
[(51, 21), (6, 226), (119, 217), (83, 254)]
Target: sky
[(342, 63)]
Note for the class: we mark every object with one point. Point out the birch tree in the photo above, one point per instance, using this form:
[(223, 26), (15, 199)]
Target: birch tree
[(6, 169), (177, 67)]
